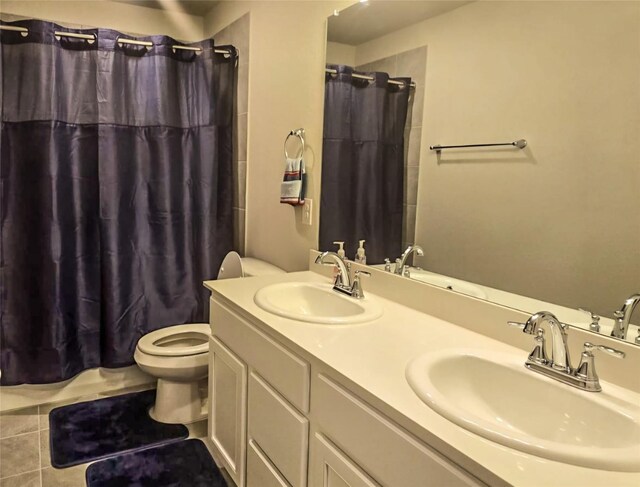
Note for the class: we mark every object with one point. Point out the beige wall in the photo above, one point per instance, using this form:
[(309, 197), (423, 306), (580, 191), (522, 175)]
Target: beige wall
[(119, 16), (338, 53), (559, 220), (286, 91)]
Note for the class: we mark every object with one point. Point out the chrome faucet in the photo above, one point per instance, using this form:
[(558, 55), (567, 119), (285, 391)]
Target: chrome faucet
[(342, 277), (559, 349), (342, 282), (623, 316), (559, 366), (402, 260)]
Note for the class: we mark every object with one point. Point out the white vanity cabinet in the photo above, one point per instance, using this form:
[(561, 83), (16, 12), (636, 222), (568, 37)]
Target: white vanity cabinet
[(273, 428), (279, 420), (227, 408), (330, 467), (386, 452)]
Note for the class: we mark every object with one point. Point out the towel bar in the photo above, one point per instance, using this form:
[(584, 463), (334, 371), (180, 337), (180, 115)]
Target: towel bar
[(520, 144)]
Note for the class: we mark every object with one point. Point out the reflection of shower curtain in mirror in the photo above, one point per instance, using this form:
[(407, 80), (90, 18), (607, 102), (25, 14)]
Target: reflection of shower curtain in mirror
[(363, 163)]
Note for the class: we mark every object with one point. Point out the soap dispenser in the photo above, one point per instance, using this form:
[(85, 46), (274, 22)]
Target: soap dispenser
[(361, 258), (340, 252)]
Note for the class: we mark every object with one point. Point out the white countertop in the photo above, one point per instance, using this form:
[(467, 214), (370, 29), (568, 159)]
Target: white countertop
[(373, 356)]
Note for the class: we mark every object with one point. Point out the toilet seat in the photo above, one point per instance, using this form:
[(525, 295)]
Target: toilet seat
[(177, 340)]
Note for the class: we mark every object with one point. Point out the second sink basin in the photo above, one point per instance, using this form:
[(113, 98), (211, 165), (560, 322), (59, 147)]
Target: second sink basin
[(315, 303), (495, 396)]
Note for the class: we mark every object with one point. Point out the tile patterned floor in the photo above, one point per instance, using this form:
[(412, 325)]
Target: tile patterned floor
[(24, 448)]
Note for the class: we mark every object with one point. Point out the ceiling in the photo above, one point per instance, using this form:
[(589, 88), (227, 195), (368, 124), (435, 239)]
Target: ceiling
[(369, 20), (193, 7)]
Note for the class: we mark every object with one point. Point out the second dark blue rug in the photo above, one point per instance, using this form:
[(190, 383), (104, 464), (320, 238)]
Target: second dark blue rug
[(91, 430), (181, 464)]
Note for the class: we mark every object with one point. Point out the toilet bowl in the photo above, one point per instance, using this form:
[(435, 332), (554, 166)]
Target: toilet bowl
[(178, 355)]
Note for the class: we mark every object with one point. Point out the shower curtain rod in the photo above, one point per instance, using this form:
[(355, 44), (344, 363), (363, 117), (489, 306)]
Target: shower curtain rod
[(91, 37), (370, 78)]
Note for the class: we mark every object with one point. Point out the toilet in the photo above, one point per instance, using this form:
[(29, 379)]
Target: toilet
[(178, 355)]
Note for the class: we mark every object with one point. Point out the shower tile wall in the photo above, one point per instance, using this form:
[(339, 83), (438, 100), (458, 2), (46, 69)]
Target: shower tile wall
[(413, 64), (237, 34)]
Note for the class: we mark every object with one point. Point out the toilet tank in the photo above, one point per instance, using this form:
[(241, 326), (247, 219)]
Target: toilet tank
[(257, 267), (234, 266)]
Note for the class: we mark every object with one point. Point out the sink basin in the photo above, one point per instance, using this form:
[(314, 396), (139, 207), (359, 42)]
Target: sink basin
[(448, 283), (316, 303), (496, 397)]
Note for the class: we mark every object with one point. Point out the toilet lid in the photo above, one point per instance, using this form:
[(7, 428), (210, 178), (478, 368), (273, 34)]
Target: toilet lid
[(231, 266), (177, 340)]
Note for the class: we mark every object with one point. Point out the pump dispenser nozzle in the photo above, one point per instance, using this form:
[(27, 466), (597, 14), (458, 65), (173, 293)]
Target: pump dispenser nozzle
[(361, 258), (340, 252)]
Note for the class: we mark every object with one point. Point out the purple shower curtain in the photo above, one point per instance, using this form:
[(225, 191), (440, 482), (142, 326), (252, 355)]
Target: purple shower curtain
[(116, 194), (363, 163)]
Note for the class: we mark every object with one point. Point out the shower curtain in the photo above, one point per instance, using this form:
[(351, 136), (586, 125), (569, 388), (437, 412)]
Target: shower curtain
[(363, 163), (116, 194)]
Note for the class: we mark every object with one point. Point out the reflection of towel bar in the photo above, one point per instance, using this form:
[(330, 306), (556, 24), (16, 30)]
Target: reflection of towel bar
[(295, 133), (520, 144)]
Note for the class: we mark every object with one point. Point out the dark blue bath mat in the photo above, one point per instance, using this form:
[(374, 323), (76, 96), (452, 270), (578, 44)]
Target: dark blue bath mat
[(181, 464), (87, 431)]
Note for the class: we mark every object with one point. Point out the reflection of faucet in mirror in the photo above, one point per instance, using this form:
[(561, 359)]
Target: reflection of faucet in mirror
[(623, 317), (595, 320), (402, 260)]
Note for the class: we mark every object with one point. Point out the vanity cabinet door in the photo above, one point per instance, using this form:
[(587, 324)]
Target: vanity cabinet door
[(382, 449), (260, 471), (227, 408), (331, 468), (280, 430)]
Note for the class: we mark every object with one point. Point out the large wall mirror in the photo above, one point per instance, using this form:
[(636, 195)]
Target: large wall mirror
[(553, 225)]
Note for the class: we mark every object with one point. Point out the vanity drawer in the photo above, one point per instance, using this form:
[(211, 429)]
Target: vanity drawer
[(280, 430), (285, 371), (383, 450), (260, 471)]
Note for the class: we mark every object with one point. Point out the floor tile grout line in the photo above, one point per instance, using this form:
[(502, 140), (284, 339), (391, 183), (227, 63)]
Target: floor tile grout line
[(18, 474), (40, 447), (19, 434)]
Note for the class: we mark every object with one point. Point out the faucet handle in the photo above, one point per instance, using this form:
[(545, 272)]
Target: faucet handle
[(356, 287), (595, 319), (590, 347), (586, 370), (527, 327), (357, 274), (387, 264), (539, 355)]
